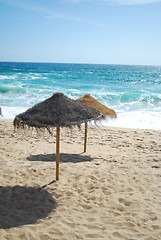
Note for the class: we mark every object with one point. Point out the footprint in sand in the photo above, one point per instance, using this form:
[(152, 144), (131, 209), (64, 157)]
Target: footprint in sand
[(125, 202)]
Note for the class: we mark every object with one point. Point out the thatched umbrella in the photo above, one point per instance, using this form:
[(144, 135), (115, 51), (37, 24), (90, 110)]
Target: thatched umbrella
[(1, 112), (56, 111), (89, 101)]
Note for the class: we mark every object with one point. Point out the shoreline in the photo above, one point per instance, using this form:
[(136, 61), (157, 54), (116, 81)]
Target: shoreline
[(112, 191), (99, 126)]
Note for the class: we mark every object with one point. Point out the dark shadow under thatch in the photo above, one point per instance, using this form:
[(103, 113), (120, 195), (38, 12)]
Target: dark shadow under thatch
[(65, 158), (24, 205)]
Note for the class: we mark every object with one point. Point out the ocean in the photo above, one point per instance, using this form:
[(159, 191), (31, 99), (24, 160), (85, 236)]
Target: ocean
[(134, 92)]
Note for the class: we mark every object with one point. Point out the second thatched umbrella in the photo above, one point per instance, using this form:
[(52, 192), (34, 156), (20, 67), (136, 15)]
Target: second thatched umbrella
[(56, 111), (89, 101)]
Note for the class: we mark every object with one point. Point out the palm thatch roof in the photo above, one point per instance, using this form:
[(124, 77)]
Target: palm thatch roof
[(56, 111), (89, 101)]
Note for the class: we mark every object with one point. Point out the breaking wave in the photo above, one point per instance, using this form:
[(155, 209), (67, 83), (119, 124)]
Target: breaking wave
[(12, 89)]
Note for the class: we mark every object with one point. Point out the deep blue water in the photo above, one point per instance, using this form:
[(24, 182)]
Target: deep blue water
[(134, 92)]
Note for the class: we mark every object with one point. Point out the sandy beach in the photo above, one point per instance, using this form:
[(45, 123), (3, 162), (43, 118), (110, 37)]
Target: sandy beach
[(113, 191)]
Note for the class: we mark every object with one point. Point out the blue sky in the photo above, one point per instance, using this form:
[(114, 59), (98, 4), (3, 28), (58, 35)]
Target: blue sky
[(81, 31)]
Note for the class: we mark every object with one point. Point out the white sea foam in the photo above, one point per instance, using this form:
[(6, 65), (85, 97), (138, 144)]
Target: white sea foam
[(135, 119), (4, 77), (10, 112)]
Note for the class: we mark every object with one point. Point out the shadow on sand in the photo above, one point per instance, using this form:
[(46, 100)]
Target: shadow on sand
[(23, 205), (64, 158)]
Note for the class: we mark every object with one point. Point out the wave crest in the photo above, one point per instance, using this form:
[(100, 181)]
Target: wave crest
[(11, 89)]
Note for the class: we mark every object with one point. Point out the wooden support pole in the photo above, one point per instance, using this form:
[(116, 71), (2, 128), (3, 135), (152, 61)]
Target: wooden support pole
[(85, 138), (57, 152)]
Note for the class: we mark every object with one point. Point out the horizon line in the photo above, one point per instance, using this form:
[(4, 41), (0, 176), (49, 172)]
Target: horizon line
[(79, 63)]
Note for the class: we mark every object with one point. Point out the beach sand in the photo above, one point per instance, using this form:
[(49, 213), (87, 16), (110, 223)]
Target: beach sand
[(113, 191)]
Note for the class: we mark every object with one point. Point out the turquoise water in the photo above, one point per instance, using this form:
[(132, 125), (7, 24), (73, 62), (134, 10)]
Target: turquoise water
[(134, 92)]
